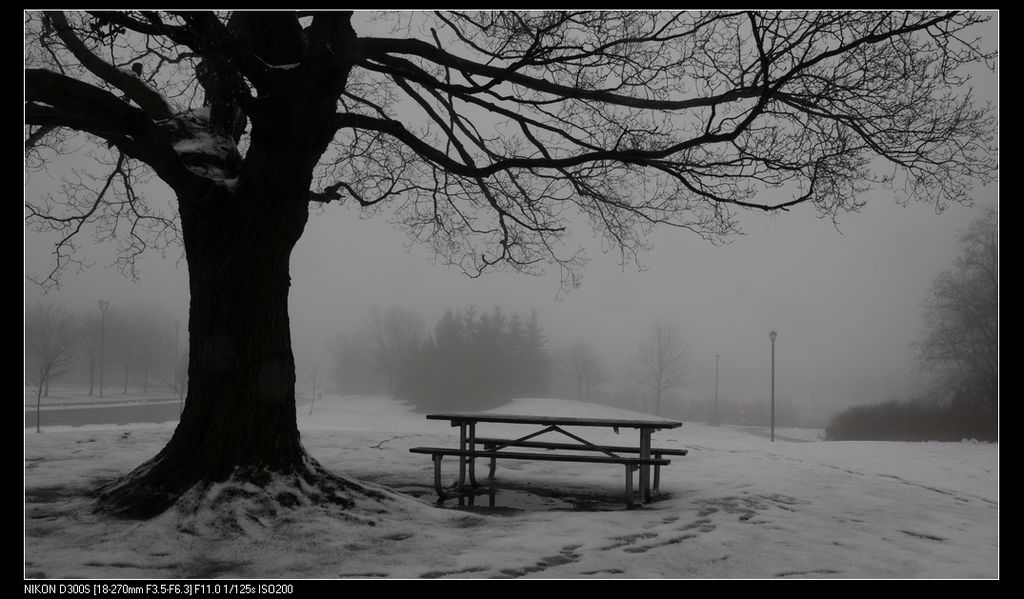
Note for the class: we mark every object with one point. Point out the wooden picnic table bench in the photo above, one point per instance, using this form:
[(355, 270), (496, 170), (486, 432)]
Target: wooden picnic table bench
[(494, 449), (656, 452)]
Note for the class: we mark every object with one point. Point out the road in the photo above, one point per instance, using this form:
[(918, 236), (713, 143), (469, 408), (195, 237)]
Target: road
[(151, 411)]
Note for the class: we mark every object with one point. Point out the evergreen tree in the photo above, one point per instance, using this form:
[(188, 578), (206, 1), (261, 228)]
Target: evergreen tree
[(476, 361)]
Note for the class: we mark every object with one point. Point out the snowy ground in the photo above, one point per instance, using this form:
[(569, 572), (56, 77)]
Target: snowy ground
[(737, 506)]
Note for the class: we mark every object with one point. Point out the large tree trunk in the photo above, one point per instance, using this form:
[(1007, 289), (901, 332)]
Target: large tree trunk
[(92, 376), (239, 415)]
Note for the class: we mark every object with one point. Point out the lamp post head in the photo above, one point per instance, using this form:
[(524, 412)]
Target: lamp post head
[(773, 335), (717, 356), (104, 304)]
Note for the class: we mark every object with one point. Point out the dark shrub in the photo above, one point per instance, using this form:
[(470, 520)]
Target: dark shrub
[(913, 421)]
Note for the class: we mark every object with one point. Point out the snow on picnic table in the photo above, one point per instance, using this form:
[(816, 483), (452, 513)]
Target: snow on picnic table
[(737, 506)]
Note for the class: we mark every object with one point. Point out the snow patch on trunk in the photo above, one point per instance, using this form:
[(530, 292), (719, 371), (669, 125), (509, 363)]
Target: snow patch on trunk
[(206, 153)]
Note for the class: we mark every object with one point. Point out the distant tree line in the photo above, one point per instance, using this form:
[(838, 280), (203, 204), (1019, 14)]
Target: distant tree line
[(136, 348), (958, 348), (584, 367), (369, 358), (915, 420), (469, 360), (49, 347), (476, 361)]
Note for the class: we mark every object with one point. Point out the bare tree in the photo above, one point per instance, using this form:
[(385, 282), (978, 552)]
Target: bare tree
[(392, 335), (660, 361), (181, 378), (50, 337), (487, 134), (584, 366), (960, 343), (349, 359), (313, 388)]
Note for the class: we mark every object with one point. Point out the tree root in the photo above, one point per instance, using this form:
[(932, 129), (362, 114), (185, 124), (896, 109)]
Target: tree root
[(151, 489)]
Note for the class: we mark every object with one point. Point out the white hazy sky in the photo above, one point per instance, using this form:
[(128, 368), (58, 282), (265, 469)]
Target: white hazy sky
[(846, 303)]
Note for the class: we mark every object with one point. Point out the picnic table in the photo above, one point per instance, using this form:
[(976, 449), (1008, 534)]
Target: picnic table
[(494, 449)]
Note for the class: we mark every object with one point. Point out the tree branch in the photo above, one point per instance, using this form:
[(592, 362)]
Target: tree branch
[(428, 152), (38, 134), (375, 47), (58, 100), (135, 88), (214, 40)]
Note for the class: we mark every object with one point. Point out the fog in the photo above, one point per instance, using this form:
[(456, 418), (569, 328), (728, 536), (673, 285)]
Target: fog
[(844, 296)]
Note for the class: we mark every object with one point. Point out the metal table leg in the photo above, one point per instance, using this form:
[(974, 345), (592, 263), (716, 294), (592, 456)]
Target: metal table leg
[(629, 485), (472, 461), (437, 477), (645, 469), (657, 475), (462, 458)]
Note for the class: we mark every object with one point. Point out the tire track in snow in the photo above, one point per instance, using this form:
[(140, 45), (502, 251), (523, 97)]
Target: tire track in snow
[(807, 572), (921, 535), (954, 495), (443, 573), (961, 497)]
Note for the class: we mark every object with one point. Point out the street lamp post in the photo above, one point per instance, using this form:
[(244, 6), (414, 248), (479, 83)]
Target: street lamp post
[(717, 420), (104, 304), (773, 335)]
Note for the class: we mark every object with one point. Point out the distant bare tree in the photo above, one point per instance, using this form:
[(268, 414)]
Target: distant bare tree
[(313, 388), (181, 377), (392, 335), (960, 343), (585, 367), (346, 353), (660, 361), (50, 336)]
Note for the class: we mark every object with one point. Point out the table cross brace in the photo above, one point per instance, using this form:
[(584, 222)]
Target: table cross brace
[(557, 429)]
